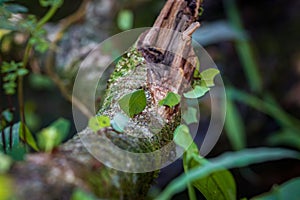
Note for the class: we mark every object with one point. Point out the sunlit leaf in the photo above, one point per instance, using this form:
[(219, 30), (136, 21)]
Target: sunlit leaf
[(197, 92), (171, 99), (125, 19), (98, 122), (54, 134), (208, 75), (133, 103), (289, 190), (119, 122), (26, 136)]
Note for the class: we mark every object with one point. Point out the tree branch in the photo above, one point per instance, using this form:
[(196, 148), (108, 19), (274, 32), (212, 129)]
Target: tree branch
[(55, 176)]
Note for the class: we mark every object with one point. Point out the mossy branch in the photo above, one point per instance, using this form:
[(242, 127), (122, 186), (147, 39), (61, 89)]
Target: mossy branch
[(57, 175)]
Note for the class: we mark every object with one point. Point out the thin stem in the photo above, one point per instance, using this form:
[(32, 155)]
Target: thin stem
[(28, 49), (20, 89), (47, 17), (2, 131)]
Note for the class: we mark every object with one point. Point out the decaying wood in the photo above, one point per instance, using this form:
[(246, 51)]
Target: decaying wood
[(168, 65)]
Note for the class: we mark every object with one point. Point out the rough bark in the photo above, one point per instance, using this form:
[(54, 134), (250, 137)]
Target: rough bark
[(167, 65)]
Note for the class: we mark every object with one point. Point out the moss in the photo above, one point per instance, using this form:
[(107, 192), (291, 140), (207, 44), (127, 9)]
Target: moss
[(130, 74), (128, 62)]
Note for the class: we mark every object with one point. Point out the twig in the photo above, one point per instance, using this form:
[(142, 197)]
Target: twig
[(65, 23)]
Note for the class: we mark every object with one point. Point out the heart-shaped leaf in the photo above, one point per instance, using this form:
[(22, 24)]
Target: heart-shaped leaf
[(133, 103)]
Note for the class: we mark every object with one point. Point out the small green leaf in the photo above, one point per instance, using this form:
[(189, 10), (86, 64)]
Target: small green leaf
[(288, 190), (54, 134), (182, 136), (27, 136), (133, 103), (10, 77), (5, 163), (8, 116), (98, 122), (119, 122), (197, 92), (170, 100), (208, 75), (190, 115), (125, 19), (80, 194), (22, 72), (47, 138)]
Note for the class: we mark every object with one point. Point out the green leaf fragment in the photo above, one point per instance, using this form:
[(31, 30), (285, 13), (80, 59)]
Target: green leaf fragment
[(208, 75), (119, 122), (98, 122), (22, 72), (182, 136), (125, 19), (133, 103), (26, 135), (197, 92), (171, 100), (54, 134), (7, 115), (190, 115)]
